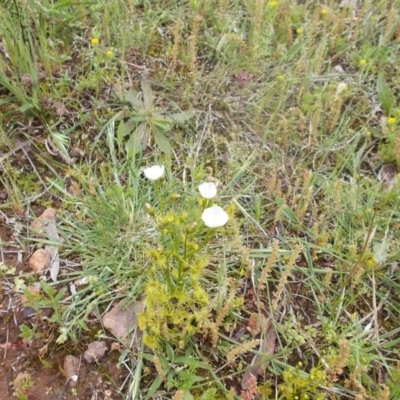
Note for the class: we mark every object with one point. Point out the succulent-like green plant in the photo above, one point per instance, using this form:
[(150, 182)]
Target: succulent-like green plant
[(146, 122)]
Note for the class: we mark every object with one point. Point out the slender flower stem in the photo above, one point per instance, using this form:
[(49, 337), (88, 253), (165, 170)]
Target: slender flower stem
[(168, 278), (205, 203), (184, 257), (210, 235), (159, 197), (181, 265)]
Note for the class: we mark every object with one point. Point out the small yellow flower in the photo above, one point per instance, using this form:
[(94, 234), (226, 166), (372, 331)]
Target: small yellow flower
[(299, 31), (273, 3), (280, 78), (170, 218), (324, 11), (392, 121), (94, 41), (363, 61), (372, 261), (109, 53), (150, 341)]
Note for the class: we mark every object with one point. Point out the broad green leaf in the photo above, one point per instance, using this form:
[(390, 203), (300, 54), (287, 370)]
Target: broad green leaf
[(162, 141), (130, 125), (190, 378), (171, 379), (291, 52), (147, 95), (143, 134), (133, 97), (131, 147), (154, 386), (186, 360), (26, 332), (60, 295), (50, 291), (55, 318), (170, 352), (164, 362), (188, 396), (137, 118), (181, 117), (164, 124), (7, 100), (138, 140), (191, 361), (385, 96), (381, 249), (25, 107), (121, 132)]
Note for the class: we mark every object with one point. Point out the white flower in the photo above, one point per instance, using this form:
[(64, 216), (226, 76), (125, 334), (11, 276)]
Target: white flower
[(82, 281), (155, 172), (214, 217), (208, 190)]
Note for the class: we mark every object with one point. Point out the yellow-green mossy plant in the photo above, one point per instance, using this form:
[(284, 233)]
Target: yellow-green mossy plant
[(299, 386), (175, 298)]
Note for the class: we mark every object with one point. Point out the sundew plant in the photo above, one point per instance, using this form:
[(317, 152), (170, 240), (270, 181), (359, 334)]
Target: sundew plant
[(176, 298)]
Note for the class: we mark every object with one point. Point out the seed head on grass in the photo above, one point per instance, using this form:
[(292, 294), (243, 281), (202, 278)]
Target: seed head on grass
[(269, 265), (279, 212), (282, 282), (176, 32), (213, 327), (159, 369), (342, 359), (179, 395), (244, 348)]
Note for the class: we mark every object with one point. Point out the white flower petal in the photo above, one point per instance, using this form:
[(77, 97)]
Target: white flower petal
[(215, 217), (155, 172), (82, 281), (208, 190)]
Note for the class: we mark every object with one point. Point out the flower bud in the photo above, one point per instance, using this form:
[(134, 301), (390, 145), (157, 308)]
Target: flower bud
[(150, 210)]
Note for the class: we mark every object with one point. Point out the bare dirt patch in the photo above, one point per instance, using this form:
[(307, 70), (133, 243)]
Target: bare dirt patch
[(34, 367)]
